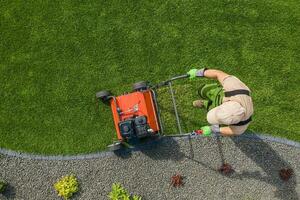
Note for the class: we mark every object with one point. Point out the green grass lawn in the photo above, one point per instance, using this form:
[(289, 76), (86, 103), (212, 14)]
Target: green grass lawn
[(55, 55)]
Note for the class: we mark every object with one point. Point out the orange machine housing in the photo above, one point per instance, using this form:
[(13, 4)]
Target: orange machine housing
[(140, 103)]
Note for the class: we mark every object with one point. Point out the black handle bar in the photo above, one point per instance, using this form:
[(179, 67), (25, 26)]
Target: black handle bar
[(164, 83)]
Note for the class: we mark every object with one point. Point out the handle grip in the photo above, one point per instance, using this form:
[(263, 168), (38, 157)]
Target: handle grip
[(180, 77), (164, 83), (197, 132)]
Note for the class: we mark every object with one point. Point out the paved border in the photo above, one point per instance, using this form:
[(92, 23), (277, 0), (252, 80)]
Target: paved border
[(108, 153)]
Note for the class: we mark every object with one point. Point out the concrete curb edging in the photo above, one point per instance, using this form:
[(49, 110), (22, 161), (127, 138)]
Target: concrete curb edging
[(11, 153)]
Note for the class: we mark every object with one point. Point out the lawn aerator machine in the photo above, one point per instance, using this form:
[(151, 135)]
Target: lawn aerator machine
[(136, 114)]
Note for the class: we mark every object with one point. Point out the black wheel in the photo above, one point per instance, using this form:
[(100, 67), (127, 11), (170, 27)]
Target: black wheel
[(115, 146), (142, 85), (103, 95)]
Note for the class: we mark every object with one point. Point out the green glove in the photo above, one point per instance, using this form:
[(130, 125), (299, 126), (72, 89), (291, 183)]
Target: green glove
[(196, 73), (192, 73), (206, 130), (211, 130)]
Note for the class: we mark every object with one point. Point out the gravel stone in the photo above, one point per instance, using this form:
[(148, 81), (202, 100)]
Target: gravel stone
[(147, 172)]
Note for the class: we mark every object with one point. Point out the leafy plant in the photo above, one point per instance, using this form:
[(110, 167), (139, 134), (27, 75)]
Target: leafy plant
[(66, 186), (135, 197), (119, 193), (3, 186)]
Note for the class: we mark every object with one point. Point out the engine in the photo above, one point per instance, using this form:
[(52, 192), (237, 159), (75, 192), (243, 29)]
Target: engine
[(135, 127)]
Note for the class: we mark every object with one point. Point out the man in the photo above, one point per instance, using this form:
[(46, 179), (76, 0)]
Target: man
[(229, 105)]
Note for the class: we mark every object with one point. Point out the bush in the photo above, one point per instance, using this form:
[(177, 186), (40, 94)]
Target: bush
[(3, 186), (66, 186), (119, 193)]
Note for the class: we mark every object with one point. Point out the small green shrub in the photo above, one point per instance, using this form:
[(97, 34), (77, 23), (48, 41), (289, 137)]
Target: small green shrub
[(119, 193), (3, 186), (66, 186), (135, 197)]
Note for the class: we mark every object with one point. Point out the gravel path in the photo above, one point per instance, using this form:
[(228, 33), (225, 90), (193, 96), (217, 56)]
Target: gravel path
[(147, 172)]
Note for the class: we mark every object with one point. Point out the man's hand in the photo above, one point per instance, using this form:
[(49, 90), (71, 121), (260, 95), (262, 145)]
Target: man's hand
[(196, 72), (211, 130), (192, 73), (206, 130)]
